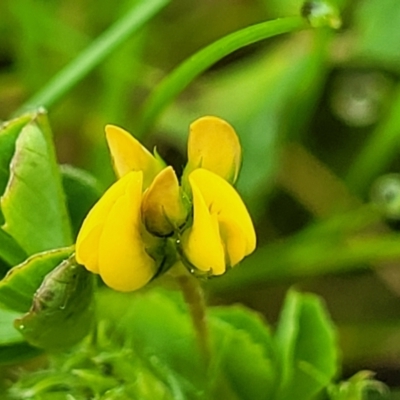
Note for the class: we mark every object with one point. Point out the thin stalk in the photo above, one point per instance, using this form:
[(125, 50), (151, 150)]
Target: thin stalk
[(194, 298), (93, 55), (186, 72)]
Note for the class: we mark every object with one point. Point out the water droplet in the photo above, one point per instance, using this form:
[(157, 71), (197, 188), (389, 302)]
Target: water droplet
[(321, 13)]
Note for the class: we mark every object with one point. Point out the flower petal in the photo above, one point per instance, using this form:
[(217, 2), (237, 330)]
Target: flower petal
[(87, 242), (234, 239), (222, 199), (163, 209), (129, 155), (201, 243), (123, 262), (214, 145)]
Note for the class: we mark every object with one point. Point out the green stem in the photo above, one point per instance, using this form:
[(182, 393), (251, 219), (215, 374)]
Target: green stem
[(93, 55), (194, 298), (186, 72)]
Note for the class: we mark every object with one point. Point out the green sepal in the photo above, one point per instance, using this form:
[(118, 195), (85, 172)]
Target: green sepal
[(61, 314), (20, 284)]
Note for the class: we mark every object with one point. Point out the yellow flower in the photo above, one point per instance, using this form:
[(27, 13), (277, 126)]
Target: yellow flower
[(145, 221), (110, 241), (222, 233), (214, 145), (129, 155)]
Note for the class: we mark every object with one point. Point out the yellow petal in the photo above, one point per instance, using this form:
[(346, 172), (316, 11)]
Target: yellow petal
[(129, 155), (87, 242), (201, 243), (235, 241), (163, 209), (214, 145), (123, 262), (224, 201)]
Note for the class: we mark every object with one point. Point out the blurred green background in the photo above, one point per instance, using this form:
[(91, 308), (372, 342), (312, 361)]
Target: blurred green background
[(318, 115)]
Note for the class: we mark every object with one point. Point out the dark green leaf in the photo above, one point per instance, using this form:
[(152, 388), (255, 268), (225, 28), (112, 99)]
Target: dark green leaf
[(82, 190), (20, 284), (10, 251), (15, 353)]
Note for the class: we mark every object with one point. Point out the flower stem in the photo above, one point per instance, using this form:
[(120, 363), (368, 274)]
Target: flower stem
[(194, 298)]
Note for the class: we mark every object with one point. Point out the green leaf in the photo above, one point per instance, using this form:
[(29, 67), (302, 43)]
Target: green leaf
[(306, 341), (243, 355), (22, 281), (186, 72), (33, 206), (8, 334), (82, 190), (160, 331), (61, 314)]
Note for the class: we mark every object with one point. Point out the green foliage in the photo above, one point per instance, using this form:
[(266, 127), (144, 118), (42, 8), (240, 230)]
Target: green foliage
[(307, 344), (149, 350), (318, 116)]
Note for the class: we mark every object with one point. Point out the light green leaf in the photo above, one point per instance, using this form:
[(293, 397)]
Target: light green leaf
[(33, 207), (307, 344), (243, 354), (21, 282)]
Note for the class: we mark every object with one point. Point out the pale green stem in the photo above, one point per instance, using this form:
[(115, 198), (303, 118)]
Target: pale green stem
[(194, 298), (93, 55)]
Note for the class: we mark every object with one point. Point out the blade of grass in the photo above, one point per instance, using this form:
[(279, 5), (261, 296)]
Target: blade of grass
[(296, 258), (378, 151), (102, 47), (186, 72)]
